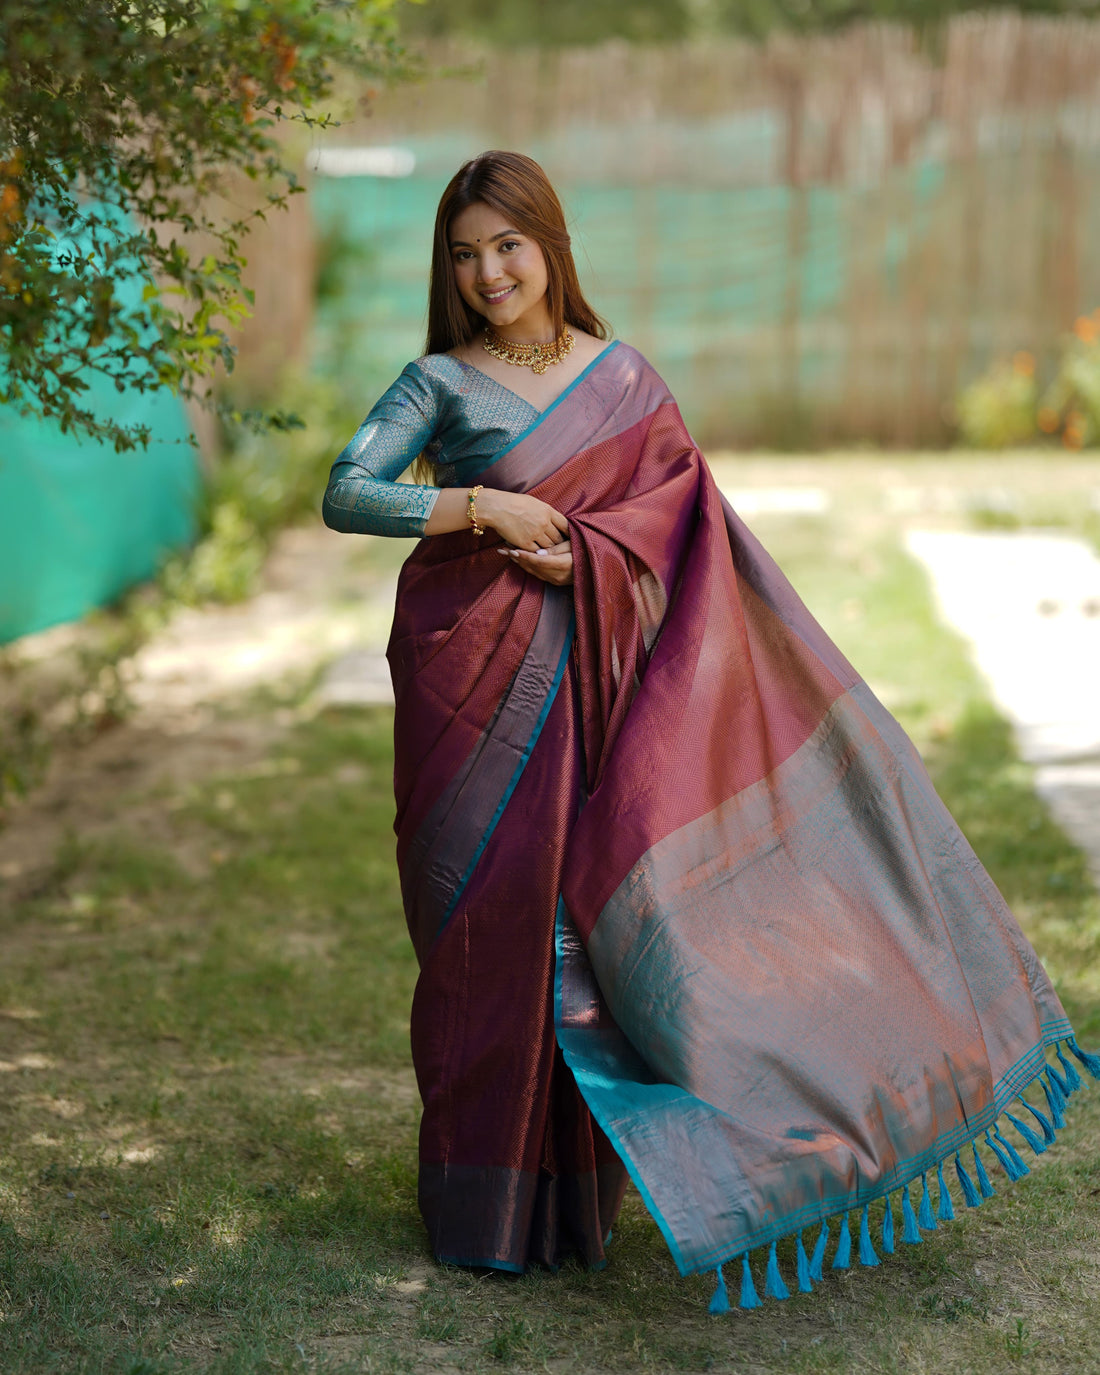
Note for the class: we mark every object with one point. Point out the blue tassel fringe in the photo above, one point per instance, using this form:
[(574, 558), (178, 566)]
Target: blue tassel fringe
[(888, 1227), (817, 1262), (984, 1187), (970, 1194), (1061, 1082), (749, 1297), (924, 1217), (774, 1288), (1013, 1154), (1055, 1102), (1073, 1079), (910, 1230), (803, 1267), (1006, 1164), (1057, 1087), (866, 1250), (946, 1211), (843, 1256), (1090, 1062), (1037, 1144), (1048, 1130)]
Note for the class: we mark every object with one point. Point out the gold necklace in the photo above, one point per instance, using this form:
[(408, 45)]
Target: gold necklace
[(537, 357)]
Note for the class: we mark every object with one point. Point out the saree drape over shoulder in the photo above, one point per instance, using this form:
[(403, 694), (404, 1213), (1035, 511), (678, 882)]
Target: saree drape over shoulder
[(682, 893)]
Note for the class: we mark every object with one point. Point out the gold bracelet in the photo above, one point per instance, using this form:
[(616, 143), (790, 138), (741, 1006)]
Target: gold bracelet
[(471, 510)]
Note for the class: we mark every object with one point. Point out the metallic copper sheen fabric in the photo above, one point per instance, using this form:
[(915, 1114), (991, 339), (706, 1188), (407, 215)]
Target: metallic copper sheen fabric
[(682, 893)]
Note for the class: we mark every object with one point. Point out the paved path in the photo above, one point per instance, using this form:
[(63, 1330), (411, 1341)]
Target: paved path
[(1030, 606)]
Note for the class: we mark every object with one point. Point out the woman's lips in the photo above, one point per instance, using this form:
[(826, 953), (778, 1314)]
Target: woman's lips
[(495, 297)]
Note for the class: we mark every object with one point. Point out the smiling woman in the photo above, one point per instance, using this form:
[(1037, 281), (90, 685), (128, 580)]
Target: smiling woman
[(685, 902)]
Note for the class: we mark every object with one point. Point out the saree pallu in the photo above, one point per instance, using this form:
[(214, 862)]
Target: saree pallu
[(682, 893)]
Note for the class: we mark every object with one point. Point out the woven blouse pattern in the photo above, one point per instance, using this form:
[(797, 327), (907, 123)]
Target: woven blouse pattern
[(441, 407)]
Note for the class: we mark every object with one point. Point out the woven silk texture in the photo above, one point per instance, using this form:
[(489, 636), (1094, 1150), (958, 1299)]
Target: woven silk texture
[(439, 406), (685, 902)]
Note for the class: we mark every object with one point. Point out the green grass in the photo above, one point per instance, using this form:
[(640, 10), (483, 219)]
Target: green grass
[(208, 1118)]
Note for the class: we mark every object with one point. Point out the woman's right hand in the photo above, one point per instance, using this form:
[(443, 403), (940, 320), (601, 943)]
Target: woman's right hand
[(520, 520)]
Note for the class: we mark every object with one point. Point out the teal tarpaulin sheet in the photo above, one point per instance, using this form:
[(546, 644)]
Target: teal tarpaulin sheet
[(79, 524)]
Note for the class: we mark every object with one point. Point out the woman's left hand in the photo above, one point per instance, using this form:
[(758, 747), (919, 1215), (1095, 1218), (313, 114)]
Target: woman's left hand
[(553, 565)]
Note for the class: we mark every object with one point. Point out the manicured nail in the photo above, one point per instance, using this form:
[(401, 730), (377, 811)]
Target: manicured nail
[(540, 552)]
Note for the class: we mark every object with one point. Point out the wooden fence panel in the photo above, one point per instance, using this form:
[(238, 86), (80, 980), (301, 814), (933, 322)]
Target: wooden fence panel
[(815, 239)]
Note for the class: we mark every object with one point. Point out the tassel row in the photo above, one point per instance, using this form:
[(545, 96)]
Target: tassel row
[(1057, 1087)]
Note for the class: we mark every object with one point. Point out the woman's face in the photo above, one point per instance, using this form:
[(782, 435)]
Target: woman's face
[(501, 273)]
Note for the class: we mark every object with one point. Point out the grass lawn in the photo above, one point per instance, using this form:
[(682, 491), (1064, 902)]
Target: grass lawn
[(208, 1116)]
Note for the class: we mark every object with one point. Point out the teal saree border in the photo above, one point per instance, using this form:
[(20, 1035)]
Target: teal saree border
[(553, 406), (1009, 1087), (605, 1125), (536, 731)]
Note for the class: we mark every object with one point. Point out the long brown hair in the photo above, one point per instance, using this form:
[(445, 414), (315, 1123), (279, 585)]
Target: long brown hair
[(518, 188)]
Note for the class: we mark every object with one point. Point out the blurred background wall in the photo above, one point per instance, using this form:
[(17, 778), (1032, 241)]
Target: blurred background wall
[(815, 239)]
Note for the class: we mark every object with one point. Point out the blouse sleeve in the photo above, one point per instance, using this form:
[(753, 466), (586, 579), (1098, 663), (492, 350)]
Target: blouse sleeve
[(363, 496)]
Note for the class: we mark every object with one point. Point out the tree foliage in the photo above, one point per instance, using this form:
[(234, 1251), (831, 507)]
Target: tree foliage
[(119, 122)]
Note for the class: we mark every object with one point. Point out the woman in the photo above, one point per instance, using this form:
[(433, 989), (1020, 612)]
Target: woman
[(685, 903)]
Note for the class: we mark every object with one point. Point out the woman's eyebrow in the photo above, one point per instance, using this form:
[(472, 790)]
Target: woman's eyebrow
[(504, 234)]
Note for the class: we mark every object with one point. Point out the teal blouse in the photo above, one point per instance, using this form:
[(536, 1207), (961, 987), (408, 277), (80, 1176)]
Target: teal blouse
[(452, 412)]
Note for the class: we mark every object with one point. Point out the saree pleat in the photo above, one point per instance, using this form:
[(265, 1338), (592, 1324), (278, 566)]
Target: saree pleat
[(514, 1170), (656, 829)]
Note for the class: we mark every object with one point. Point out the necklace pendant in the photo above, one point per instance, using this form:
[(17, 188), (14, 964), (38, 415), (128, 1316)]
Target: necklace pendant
[(537, 357)]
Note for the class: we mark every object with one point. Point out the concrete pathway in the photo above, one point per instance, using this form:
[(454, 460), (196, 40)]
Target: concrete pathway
[(1029, 604)]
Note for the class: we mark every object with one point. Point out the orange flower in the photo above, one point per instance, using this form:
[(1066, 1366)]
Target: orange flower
[(1087, 329), (1047, 419), (247, 91), (1023, 364), (11, 211), (285, 53), (1074, 434)]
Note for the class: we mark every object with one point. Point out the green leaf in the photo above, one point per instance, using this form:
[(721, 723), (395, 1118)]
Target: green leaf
[(140, 105)]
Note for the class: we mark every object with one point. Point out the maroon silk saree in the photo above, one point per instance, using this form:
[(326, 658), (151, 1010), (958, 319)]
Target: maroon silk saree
[(684, 900)]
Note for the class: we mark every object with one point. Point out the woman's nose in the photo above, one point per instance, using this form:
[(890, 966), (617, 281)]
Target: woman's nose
[(488, 270)]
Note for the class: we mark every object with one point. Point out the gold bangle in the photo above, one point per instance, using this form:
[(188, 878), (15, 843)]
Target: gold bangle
[(471, 510)]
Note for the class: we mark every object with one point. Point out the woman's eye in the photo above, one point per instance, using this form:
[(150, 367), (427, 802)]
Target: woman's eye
[(462, 255), (508, 244)]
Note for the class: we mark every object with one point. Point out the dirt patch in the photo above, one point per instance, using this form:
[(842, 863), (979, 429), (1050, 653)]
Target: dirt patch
[(192, 719), (105, 787)]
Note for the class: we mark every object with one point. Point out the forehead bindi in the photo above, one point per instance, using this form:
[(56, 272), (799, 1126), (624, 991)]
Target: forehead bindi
[(480, 225)]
